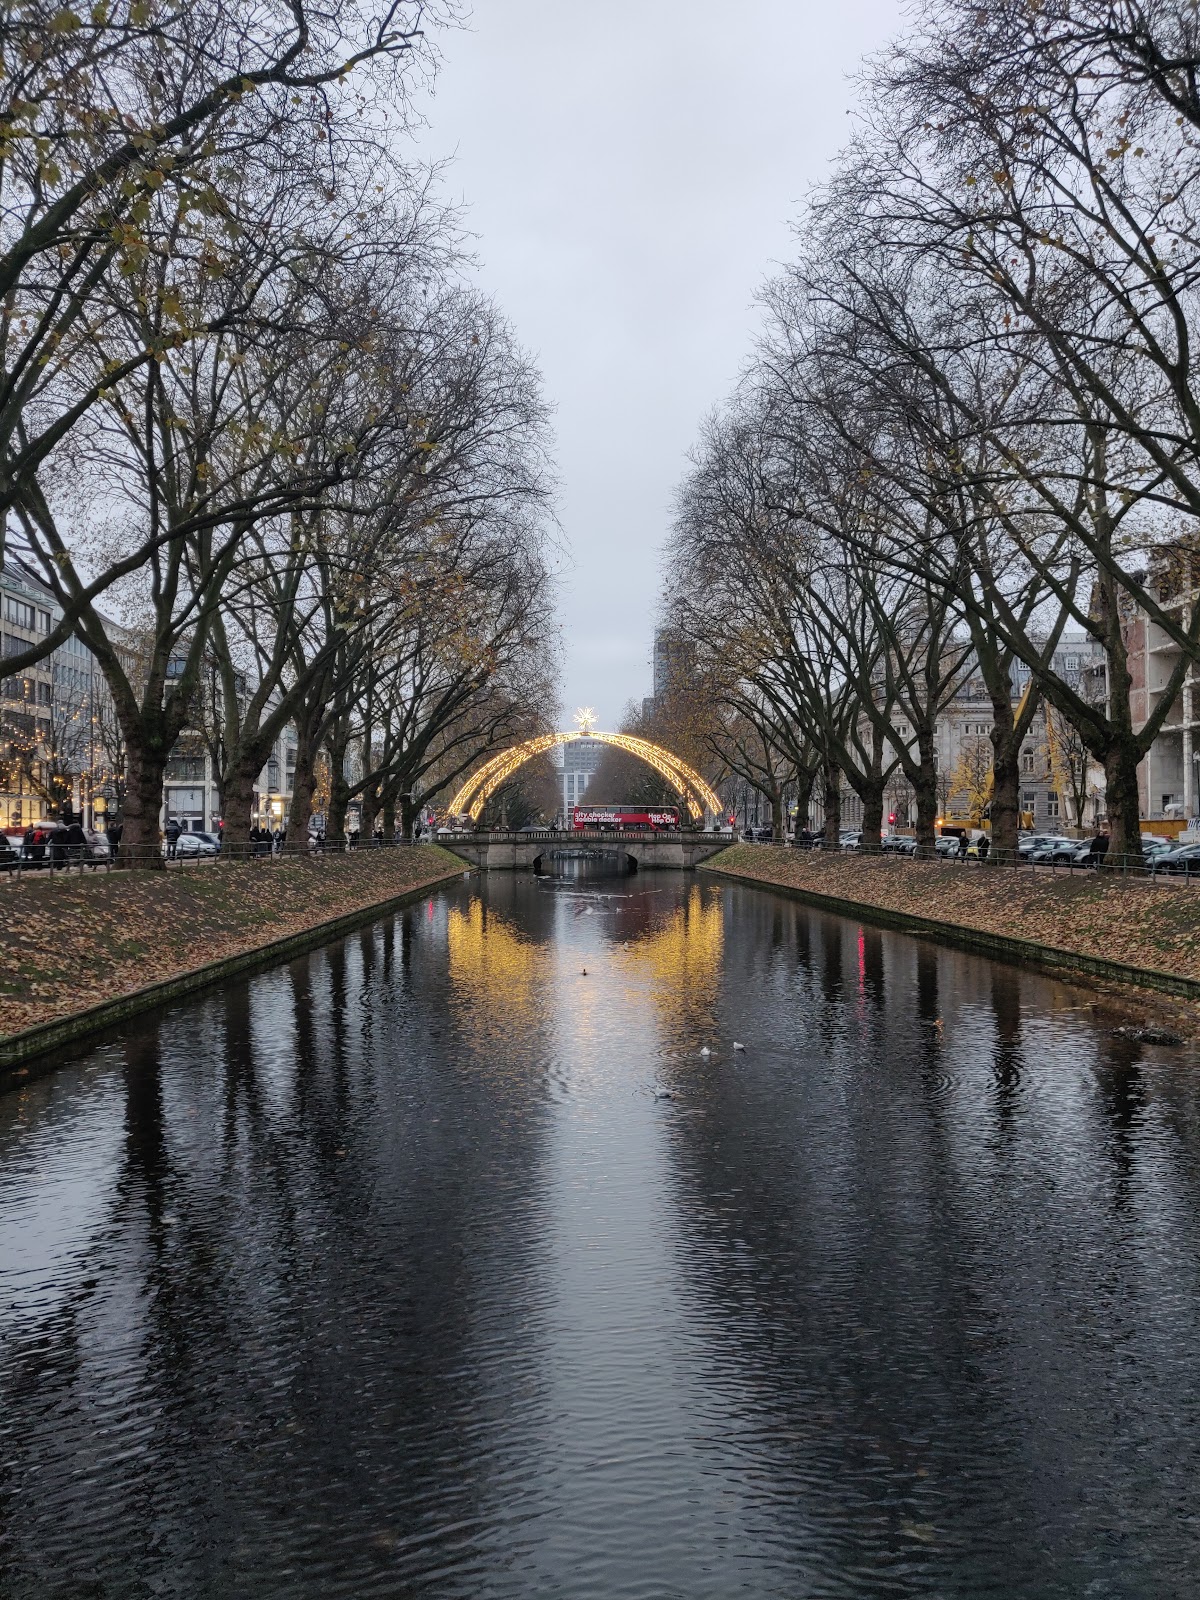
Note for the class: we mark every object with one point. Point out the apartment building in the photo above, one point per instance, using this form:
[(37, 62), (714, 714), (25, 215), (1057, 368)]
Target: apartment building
[(60, 744), (57, 729), (1169, 776)]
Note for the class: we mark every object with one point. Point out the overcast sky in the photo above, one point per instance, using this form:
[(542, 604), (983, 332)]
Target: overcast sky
[(630, 171)]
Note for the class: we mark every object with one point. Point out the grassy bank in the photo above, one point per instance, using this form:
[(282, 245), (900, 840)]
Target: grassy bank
[(72, 943), (1089, 916)]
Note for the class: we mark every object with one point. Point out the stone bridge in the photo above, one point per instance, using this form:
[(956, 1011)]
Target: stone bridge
[(509, 852)]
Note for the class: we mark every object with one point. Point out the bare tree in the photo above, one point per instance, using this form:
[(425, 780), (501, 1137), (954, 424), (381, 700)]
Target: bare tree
[(119, 135)]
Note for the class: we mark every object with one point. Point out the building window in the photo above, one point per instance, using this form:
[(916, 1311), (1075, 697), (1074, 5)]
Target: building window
[(1052, 804), (1027, 760), (185, 769), (187, 805), (13, 646), (45, 694), (1072, 663), (17, 611), (1029, 800)]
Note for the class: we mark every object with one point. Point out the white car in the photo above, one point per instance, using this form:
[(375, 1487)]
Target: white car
[(194, 844)]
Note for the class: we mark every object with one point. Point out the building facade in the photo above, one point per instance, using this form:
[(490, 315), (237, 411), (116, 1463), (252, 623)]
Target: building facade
[(58, 739), (1169, 775), (60, 745), (576, 763)]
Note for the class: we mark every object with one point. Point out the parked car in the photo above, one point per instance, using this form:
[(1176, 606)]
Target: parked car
[(194, 845), (1183, 859), (901, 844), (1060, 852), (850, 839), (946, 844), (1027, 843)]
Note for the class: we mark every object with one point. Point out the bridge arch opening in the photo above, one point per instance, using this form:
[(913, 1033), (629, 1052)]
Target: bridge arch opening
[(691, 788)]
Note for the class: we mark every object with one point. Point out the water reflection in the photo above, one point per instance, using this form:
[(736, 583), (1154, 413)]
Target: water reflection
[(432, 1265)]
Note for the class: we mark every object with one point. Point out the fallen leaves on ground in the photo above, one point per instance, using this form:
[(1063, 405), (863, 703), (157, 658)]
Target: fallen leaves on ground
[(1147, 923), (75, 940)]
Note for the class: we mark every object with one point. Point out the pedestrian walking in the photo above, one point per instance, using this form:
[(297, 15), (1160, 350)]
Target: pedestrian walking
[(58, 846), (1098, 849), (173, 831), (962, 847), (984, 845)]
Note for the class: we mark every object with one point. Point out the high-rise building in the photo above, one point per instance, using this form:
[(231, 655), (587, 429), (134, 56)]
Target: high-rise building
[(577, 763), (673, 659)]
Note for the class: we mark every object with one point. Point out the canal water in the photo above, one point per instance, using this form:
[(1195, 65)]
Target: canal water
[(429, 1266)]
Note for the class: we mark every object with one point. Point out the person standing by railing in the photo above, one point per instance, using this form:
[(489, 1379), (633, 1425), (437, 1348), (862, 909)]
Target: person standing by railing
[(1098, 849)]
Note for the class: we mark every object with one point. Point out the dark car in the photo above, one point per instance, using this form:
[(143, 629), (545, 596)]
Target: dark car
[(1059, 852), (1184, 859), (902, 844)]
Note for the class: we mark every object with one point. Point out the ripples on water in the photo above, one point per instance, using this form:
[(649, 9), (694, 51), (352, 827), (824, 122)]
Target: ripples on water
[(393, 1272)]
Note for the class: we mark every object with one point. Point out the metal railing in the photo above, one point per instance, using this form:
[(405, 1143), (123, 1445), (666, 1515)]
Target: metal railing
[(60, 860), (588, 836), (1130, 867)]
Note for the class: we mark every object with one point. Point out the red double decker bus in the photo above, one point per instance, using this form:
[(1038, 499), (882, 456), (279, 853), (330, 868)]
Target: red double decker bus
[(611, 819)]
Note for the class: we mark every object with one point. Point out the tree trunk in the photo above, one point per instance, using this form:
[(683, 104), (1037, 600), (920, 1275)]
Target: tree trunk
[(339, 796), (141, 837), (239, 802), (370, 809), (832, 782), (408, 813), (924, 781), (389, 817), (805, 783), (871, 795), (1006, 777), (304, 785), (1122, 800)]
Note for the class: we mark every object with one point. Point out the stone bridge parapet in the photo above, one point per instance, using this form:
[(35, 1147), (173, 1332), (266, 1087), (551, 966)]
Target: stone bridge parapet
[(512, 852)]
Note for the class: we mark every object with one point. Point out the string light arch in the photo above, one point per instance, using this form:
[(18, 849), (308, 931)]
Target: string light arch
[(687, 783)]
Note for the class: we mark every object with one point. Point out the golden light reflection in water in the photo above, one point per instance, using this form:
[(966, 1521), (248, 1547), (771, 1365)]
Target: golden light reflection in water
[(490, 957), (683, 954), (667, 968), (675, 964)]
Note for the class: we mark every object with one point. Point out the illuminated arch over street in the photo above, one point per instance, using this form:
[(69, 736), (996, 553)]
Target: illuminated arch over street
[(687, 783)]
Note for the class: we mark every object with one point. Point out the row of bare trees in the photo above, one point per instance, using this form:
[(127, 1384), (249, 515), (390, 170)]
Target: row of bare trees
[(972, 421), (252, 415)]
